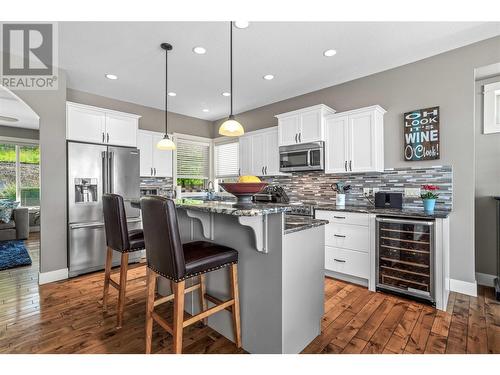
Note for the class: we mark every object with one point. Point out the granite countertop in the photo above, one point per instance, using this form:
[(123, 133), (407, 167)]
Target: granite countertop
[(295, 223), (405, 212), (227, 208)]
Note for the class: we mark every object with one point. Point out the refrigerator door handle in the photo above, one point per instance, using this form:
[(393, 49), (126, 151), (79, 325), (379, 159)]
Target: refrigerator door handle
[(104, 172), (86, 225), (111, 173)]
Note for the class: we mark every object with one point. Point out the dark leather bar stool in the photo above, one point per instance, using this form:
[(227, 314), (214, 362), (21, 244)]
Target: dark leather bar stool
[(118, 238), (168, 257)]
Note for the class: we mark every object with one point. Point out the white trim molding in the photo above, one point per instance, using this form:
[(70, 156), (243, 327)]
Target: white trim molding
[(50, 277), (485, 279), (464, 287)]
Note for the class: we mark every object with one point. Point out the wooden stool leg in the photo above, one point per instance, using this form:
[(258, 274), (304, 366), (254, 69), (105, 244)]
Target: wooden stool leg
[(178, 315), (151, 285), (107, 276), (123, 287), (203, 301), (236, 307)]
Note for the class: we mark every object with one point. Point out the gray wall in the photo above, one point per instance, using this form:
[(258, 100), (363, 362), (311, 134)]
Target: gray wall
[(446, 80), (13, 132), (487, 185), (152, 118), (50, 105)]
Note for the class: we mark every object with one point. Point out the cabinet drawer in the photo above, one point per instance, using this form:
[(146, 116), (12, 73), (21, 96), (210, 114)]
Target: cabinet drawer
[(341, 217), (348, 262), (346, 236)]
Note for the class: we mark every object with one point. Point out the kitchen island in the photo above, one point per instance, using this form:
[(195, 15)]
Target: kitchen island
[(280, 267)]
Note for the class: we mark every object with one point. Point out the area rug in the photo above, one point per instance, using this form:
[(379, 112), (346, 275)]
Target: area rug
[(13, 254)]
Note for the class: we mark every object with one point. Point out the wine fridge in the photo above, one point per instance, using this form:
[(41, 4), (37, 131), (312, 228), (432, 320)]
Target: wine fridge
[(405, 257)]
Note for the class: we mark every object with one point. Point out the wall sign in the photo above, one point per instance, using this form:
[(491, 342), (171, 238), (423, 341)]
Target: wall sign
[(421, 134)]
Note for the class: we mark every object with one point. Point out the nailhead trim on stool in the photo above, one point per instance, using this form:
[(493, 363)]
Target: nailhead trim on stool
[(192, 274)]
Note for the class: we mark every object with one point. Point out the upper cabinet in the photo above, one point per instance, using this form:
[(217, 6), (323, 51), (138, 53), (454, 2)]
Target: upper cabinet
[(355, 141), (259, 154), (303, 125), (98, 125), (153, 162)]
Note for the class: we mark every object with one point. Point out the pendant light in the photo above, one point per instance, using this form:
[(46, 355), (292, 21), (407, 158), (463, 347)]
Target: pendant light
[(166, 143), (231, 127)]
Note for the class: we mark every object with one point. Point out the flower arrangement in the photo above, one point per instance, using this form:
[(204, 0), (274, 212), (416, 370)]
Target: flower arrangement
[(340, 187), (429, 192)]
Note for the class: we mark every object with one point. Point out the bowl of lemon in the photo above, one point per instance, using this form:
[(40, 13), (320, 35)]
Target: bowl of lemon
[(245, 188)]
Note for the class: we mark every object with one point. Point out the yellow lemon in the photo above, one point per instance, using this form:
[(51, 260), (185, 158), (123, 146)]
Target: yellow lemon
[(248, 179)]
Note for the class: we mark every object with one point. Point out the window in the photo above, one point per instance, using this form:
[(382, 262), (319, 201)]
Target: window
[(193, 164), (227, 160), (491, 106), (20, 173)]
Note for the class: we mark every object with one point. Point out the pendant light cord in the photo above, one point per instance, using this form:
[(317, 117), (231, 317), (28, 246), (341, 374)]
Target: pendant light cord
[(166, 93), (231, 63)]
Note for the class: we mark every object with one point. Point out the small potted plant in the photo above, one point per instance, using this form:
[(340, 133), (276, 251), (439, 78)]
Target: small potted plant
[(340, 188), (429, 196)]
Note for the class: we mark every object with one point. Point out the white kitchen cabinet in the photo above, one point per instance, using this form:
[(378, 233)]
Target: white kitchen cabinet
[(355, 141), (303, 125), (153, 162), (245, 149), (259, 154), (349, 246), (98, 125)]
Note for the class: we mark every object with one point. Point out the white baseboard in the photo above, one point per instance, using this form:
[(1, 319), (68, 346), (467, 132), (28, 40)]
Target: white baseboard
[(463, 287), (485, 279), (50, 277)]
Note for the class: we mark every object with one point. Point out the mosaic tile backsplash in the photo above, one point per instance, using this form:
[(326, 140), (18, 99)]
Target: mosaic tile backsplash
[(164, 184), (315, 186)]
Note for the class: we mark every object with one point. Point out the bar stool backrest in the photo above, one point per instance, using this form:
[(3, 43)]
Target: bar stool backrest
[(164, 251), (115, 222)]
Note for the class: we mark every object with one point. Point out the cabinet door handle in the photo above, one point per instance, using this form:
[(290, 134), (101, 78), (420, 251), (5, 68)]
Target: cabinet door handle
[(350, 165), (339, 260), (102, 137), (296, 135), (339, 235), (262, 170), (151, 171), (300, 137), (339, 217), (345, 165), (155, 171), (239, 171), (265, 170), (107, 137)]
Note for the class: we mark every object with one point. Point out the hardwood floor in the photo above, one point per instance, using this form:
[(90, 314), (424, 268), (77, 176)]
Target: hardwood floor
[(67, 317)]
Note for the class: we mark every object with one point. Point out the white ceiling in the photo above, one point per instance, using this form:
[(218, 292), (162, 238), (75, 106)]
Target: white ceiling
[(291, 51), (14, 108)]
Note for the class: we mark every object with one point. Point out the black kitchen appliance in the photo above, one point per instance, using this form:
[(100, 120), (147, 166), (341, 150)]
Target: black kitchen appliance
[(385, 199), (272, 194), (405, 257)]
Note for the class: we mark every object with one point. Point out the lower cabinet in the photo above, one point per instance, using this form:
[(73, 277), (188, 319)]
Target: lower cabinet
[(349, 246)]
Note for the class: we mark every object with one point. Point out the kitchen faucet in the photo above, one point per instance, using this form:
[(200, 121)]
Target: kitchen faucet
[(210, 190)]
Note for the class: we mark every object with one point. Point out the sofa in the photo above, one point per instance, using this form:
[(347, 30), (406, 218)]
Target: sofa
[(18, 228)]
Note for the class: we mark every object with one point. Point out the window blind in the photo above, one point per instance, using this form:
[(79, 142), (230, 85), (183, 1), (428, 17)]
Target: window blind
[(193, 159), (227, 160)]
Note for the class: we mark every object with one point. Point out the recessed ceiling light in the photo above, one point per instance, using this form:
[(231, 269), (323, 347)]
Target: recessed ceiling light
[(172, 94), (225, 93), (205, 110), (199, 50), (111, 76), (268, 77), (241, 24), (330, 53)]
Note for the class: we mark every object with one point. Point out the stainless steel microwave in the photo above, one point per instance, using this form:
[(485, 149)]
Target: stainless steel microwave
[(302, 157)]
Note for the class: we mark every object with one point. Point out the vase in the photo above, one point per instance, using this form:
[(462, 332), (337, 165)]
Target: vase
[(429, 205), (340, 200)]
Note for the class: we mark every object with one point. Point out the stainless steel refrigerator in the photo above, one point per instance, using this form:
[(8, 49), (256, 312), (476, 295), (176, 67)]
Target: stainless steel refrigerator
[(92, 171)]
